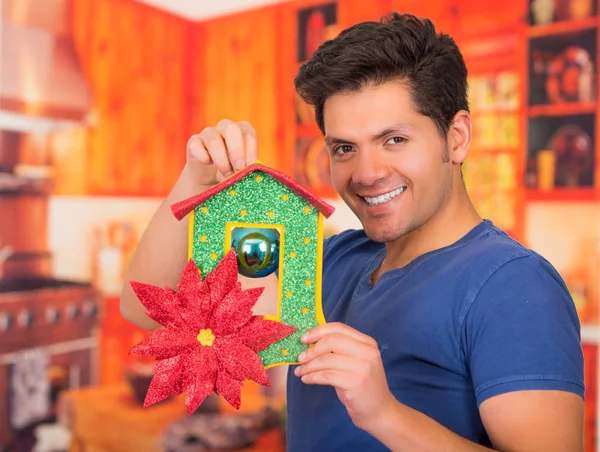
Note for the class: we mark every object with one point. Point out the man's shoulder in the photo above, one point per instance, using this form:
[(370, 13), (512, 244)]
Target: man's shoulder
[(496, 252)]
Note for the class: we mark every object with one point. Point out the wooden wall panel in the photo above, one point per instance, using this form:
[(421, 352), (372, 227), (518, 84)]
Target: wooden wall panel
[(236, 76), (135, 58)]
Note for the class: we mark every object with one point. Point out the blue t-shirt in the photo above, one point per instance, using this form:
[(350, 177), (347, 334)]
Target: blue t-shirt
[(456, 326)]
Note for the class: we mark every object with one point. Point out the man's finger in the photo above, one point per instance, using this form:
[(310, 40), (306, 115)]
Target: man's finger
[(331, 361), (321, 331), (215, 146), (234, 141), (197, 151), (251, 142), (338, 343), (336, 378)]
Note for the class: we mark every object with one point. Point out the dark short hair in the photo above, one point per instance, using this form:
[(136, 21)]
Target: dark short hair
[(399, 47)]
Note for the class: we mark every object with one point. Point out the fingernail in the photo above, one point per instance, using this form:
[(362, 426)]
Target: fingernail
[(297, 371), (301, 357), (239, 164), (305, 337), (228, 173)]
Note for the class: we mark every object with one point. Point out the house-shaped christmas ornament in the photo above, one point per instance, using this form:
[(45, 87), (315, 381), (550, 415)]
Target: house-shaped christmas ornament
[(273, 225)]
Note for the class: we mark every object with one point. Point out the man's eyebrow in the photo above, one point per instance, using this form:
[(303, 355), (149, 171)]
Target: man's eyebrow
[(331, 140), (394, 128), (399, 128)]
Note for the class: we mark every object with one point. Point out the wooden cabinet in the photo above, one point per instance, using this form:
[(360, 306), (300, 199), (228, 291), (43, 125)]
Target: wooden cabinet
[(135, 59), (235, 72)]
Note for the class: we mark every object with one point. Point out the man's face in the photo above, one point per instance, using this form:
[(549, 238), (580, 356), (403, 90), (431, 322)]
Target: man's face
[(388, 162)]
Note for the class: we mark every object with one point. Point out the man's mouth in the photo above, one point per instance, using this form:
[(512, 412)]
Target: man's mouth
[(383, 198)]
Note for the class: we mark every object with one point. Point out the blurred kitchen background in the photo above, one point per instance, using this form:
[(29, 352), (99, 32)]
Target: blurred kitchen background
[(97, 101)]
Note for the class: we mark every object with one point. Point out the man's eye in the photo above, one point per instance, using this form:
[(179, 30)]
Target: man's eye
[(342, 149), (396, 140)]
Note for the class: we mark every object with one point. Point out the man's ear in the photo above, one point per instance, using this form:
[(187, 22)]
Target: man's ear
[(459, 137)]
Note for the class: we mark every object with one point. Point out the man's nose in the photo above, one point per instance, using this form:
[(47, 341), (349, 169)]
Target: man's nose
[(369, 168)]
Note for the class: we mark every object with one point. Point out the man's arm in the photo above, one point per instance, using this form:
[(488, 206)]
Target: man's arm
[(162, 253), (534, 420), (531, 421)]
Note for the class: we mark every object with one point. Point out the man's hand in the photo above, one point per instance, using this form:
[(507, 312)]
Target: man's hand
[(219, 151), (350, 362)]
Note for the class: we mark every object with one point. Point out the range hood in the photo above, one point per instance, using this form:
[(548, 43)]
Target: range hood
[(42, 85)]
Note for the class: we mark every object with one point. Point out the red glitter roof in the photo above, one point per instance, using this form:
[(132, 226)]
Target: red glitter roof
[(182, 208)]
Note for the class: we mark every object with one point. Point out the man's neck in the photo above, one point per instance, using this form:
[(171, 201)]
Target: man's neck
[(444, 229)]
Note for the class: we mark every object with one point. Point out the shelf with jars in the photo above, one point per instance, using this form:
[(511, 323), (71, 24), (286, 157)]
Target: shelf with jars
[(562, 112)]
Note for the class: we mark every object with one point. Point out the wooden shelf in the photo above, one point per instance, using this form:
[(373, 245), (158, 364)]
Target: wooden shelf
[(562, 194), (566, 109), (563, 27)]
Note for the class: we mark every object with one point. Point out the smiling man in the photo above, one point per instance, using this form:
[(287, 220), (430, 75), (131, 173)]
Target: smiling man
[(451, 335), (443, 333)]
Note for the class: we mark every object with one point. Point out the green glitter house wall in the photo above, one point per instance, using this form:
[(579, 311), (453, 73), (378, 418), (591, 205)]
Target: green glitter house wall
[(259, 198)]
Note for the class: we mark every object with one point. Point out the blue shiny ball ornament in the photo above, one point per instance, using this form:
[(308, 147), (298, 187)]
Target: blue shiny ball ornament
[(257, 251)]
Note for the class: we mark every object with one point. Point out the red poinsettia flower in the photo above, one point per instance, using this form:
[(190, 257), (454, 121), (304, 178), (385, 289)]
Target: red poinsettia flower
[(211, 339)]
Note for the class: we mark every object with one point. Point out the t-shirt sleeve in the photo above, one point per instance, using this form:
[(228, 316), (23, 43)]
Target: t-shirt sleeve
[(522, 332)]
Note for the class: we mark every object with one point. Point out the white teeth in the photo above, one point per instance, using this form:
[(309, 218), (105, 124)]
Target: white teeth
[(384, 198)]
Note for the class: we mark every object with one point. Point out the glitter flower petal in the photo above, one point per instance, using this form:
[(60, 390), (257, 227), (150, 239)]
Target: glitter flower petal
[(162, 305), (224, 279), (211, 339), (229, 388), (259, 333), (164, 344), (168, 375), (235, 310), (194, 297), (240, 361), (200, 377)]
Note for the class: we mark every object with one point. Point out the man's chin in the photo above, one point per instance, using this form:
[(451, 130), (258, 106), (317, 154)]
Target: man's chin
[(382, 235)]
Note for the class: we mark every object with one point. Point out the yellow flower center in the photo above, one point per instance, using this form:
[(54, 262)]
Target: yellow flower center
[(206, 337)]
